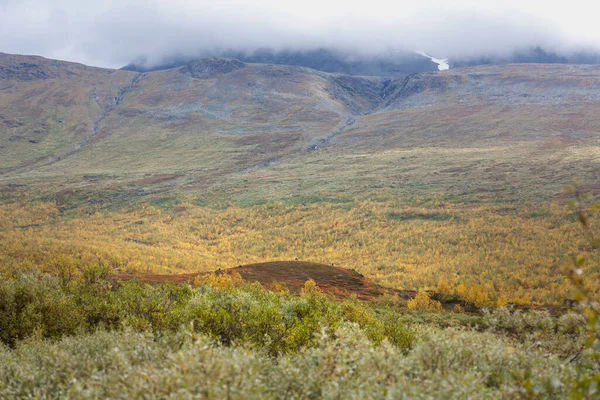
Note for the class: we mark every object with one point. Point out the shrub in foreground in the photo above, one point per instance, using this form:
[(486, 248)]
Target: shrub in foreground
[(233, 311), (445, 364)]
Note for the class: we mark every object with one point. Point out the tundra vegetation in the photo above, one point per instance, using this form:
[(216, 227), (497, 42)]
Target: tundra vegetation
[(488, 254), (68, 330)]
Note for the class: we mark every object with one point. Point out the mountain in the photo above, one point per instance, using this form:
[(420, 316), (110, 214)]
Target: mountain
[(48, 106), (220, 128)]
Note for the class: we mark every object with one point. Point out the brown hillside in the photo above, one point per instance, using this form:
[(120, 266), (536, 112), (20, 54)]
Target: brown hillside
[(333, 280), (249, 132)]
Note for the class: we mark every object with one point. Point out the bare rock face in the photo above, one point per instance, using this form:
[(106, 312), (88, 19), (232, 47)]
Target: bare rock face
[(208, 67), (25, 72), (31, 68)]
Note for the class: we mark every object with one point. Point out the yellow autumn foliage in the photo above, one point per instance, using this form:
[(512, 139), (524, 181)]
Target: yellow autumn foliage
[(422, 302), (490, 254)]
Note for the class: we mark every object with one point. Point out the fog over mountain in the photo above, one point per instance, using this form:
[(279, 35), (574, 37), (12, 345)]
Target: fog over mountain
[(160, 33), (322, 59)]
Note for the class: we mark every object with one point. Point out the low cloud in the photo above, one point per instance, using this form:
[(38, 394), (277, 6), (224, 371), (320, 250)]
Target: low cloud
[(113, 33)]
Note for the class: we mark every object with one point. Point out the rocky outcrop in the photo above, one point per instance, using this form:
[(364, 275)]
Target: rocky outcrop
[(30, 68), (26, 72), (361, 94), (414, 84)]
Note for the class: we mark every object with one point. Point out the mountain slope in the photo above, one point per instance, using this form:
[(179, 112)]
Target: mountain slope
[(47, 107), (219, 128), (487, 133), (205, 100)]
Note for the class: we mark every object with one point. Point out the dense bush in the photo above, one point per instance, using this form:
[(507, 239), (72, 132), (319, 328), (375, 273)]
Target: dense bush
[(423, 302), (254, 315), (225, 338), (35, 306), (231, 311), (444, 364)]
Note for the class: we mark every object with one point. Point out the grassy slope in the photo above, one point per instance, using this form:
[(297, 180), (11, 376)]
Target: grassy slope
[(477, 134), (50, 106), (492, 133), (171, 122)]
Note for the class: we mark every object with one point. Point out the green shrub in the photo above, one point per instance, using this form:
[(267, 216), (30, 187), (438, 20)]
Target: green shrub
[(444, 364), (95, 273), (31, 305), (563, 336), (386, 324), (231, 312), (281, 323), (138, 305)]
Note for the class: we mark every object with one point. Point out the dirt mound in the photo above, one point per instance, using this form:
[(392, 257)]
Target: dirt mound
[(333, 280)]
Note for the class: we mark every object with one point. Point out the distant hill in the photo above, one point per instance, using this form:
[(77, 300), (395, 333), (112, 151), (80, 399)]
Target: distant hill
[(337, 281), (225, 129)]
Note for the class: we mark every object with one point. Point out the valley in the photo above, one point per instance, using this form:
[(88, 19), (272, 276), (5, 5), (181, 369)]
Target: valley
[(221, 162)]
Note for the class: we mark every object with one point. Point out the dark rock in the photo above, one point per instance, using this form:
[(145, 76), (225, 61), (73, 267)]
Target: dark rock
[(10, 122), (418, 83), (347, 88), (26, 72), (93, 178)]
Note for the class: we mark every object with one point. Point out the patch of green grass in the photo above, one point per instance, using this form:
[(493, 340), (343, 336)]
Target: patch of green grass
[(409, 216), (167, 202), (316, 199)]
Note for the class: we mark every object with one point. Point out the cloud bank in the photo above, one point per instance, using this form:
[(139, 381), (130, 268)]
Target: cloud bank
[(113, 33)]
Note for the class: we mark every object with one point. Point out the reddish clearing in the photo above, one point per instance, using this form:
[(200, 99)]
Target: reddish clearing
[(336, 281)]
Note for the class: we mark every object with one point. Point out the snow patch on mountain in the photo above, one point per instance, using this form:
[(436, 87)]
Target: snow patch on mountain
[(441, 62)]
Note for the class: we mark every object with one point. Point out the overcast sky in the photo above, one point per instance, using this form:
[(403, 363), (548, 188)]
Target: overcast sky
[(111, 33)]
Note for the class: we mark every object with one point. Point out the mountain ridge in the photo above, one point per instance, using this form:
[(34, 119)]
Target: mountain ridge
[(392, 64), (322, 59)]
